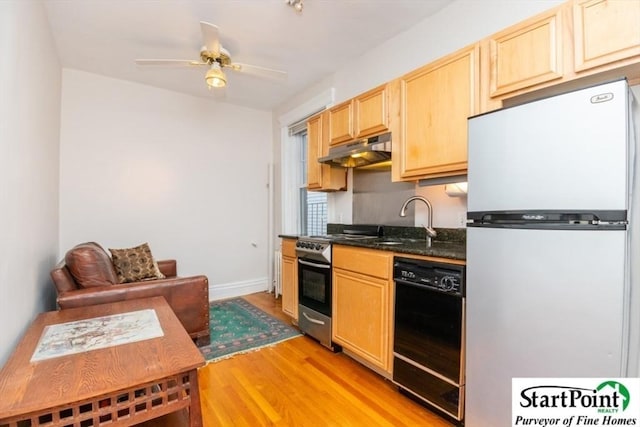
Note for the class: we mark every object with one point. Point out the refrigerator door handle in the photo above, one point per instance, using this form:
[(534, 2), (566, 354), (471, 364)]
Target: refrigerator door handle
[(576, 220)]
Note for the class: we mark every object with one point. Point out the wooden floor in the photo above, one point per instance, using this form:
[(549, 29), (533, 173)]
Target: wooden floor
[(300, 383)]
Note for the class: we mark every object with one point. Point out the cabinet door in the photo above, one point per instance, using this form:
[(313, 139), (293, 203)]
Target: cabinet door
[(371, 112), (321, 177), (435, 102), (341, 123), (605, 31), (289, 277), (526, 54), (361, 316), (314, 150), (290, 286)]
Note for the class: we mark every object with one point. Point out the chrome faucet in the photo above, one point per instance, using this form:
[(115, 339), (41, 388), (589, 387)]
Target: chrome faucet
[(430, 231)]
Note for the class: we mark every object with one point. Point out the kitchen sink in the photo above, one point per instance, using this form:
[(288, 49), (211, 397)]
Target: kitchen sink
[(394, 241), (389, 243)]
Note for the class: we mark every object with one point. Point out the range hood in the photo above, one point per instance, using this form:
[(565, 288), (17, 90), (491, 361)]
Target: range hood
[(363, 152)]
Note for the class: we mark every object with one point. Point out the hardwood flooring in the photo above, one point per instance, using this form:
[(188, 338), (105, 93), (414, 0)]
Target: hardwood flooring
[(300, 383)]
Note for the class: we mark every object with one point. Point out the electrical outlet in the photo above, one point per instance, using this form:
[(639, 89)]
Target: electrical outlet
[(462, 219)]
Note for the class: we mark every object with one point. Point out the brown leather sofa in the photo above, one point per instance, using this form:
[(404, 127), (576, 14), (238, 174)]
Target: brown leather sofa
[(92, 266)]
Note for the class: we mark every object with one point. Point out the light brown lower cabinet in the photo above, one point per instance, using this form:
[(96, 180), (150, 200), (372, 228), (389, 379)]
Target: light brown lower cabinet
[(362, 314), (289, 277)]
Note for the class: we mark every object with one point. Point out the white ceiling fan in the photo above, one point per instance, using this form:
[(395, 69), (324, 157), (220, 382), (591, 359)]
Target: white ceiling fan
[(216, 57)]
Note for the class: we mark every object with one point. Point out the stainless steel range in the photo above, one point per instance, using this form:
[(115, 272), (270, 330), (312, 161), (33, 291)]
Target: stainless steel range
[(314, 280)]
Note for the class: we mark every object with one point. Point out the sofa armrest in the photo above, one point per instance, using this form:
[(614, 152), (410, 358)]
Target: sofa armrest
[(168, 267), (187, 296), (125, 291)]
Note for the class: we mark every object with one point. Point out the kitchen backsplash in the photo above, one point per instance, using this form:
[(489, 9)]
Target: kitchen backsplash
[(377, 200)]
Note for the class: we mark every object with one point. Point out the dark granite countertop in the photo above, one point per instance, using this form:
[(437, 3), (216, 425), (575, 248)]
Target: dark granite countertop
[(440, 249), (288, 236), (449, 243)]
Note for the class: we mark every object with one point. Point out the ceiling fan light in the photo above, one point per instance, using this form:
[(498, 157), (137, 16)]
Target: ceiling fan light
[(215, 77)]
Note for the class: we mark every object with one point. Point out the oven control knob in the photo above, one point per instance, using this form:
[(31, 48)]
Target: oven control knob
[(318, 246), (447, 283)]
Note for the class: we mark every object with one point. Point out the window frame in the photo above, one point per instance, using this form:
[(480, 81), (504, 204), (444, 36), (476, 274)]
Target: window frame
[(290, 189)]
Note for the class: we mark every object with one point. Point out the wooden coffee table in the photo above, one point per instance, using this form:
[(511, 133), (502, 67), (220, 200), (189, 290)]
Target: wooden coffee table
[(120, 385)]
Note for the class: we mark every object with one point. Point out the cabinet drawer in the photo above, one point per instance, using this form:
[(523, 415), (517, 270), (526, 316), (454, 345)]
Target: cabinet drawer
[(289, 247), (365, 261)]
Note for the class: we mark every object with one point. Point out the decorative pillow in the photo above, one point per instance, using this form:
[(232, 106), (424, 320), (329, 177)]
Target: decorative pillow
[(135, 264), (90, 265)]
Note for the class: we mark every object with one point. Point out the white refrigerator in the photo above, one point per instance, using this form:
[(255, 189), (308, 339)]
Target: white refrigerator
[(549, 244)]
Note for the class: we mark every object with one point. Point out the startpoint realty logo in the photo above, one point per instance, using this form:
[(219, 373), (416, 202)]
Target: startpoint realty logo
[(545, 402)]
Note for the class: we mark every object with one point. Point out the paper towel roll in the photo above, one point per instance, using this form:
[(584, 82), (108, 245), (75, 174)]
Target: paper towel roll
[(459, 189)]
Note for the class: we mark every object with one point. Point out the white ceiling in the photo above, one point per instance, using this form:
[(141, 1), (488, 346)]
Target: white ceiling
[(106, 36)]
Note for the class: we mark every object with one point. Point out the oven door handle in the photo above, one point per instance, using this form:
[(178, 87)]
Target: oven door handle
[(313, 264), (312, 320)]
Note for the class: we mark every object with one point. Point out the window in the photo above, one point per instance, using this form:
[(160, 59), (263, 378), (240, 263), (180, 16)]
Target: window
[(316, 214)]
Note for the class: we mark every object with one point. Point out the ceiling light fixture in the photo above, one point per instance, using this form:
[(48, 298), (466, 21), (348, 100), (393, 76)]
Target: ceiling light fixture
[(215, 77), (296, 4)]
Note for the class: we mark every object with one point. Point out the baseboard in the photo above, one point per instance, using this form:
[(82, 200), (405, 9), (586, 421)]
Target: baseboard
[(236, 289)]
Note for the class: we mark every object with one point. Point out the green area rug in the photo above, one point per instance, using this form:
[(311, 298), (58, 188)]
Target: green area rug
[(239, 327)]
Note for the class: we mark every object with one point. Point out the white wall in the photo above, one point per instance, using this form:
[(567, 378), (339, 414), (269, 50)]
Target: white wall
[(30, 79), (186, 174), (454, 27)]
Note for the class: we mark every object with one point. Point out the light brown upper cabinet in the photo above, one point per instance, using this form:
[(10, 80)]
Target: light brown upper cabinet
[(526, 54), (605, 31), (598, 39), (321, 177), (360, 117), (371, 111), (435, 102), (341, 123)]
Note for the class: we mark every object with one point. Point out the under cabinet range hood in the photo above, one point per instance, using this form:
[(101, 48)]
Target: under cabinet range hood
[(363, 152)]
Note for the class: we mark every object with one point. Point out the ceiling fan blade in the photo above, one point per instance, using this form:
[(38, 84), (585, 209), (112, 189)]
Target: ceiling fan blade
[(169, 62), (259, 71), (210, 37)]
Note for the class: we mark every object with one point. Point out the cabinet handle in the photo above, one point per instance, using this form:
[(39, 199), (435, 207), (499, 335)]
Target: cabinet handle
[(312, 320)]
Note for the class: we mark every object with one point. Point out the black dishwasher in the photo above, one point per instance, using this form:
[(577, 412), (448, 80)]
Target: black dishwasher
[(428, 344)]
